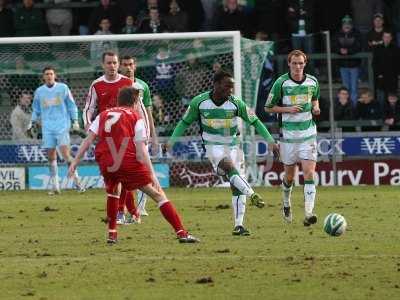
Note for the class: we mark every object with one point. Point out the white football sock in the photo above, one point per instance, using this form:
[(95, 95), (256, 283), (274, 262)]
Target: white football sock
[(286, 193), (239, 209), (241, 185), (309, 198), (54, 175), (141, 202)]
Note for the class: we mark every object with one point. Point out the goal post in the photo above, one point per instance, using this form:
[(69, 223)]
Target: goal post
[(177, 66)]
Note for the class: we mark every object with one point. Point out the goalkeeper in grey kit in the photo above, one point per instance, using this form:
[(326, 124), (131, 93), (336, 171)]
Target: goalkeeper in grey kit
[(218, 113)]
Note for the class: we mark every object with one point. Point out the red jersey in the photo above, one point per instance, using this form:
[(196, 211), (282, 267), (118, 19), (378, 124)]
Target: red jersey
[(117, 129), (103, 95)]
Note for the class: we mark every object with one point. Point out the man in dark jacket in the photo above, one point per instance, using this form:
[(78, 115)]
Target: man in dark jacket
[(154, 24), (343, 108), (231, 16), (29, 21), (391, 114), (346, 43), (300, 16), (386, 65), (6, 20), (105, 10)]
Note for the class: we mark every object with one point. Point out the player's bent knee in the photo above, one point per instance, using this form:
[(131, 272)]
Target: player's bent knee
[(225, 166)]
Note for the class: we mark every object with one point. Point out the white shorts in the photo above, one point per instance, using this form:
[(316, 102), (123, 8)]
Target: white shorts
[(292, 153), (215, 153)]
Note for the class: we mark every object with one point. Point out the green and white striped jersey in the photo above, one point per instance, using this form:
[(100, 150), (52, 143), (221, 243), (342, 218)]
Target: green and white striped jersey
[(298, 127), (144, 92), (218, 124)]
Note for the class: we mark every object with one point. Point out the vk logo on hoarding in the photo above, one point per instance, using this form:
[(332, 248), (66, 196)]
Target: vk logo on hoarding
[(39, 177)]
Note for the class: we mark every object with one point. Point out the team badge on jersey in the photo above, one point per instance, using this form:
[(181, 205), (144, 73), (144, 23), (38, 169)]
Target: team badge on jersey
[(269, 99)]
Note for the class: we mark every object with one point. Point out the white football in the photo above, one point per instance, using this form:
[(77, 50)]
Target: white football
[(335, 224)]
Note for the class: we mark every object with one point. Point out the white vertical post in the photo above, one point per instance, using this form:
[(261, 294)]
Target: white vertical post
[(237, 64), (332, 105)]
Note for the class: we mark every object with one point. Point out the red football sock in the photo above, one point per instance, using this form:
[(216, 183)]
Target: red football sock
[(112, 209), (130, 204), (169, 212), (121, 202)]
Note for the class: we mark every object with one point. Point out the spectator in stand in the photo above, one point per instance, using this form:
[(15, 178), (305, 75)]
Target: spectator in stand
[(6, 20), (105, 10), (374, 36), (163, 115), (395, 19), (195, 11), (164, 74), (21, 117), (346, 43), (386, 66), (209, 7), (343, 107), (363, 12), (300, 16), (268, 17), (367, 108), (231, 16), (153, 24), (130, 25), (98, 48), (130, 7), (29, 21), (144, 12), (176, 19), (191, 80), (59, 20), (329, 13), (391, 114)]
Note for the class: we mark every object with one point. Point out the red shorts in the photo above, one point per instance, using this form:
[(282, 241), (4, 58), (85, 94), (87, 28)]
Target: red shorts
[(130, 180)]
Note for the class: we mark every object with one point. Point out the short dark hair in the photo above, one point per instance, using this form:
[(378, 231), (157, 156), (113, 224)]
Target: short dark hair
[(387, 30), (127, 96), (343, 88), (108, 53), (221, 75), (47, 68), (127, 57)]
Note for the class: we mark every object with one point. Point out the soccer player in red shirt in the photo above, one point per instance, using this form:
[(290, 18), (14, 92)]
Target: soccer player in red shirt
[(102, 95), (123, 158)]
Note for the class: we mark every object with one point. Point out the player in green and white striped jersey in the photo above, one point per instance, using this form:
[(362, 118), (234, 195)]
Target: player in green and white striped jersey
[(218, 113), (294, 96), (128, 68)]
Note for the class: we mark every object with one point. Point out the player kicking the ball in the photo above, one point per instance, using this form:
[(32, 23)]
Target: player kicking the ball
[(294, 96), (218, 113), (122, 156)]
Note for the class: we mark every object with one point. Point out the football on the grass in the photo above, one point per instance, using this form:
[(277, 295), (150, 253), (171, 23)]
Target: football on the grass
[(335, 224)]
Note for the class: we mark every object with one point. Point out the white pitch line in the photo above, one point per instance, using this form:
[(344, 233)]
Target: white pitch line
[(213, 256)]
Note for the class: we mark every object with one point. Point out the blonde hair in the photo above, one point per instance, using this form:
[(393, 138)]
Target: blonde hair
[(296, 53)]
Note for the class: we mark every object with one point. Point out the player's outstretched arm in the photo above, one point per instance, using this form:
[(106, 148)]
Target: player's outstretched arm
[(82, 149), (263, 131), (178, 132)]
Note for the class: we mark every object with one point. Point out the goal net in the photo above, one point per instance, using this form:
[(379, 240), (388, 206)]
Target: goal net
[(177, 67)]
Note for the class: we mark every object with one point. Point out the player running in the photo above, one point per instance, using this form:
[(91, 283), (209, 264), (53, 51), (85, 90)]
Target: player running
[(122, 156), (218, 113), (128, 68), (294, 96), (54, 106)]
